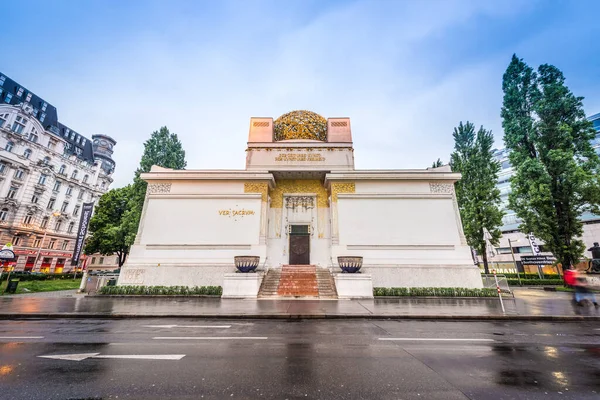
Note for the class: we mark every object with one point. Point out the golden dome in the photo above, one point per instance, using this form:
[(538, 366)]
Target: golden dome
[(300, 124)]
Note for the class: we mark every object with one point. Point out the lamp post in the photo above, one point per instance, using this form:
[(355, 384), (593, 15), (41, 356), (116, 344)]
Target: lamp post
[(37, 257), (513, 257)]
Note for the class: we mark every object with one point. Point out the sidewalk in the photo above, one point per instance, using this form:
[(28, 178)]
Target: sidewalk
[(529, 304)]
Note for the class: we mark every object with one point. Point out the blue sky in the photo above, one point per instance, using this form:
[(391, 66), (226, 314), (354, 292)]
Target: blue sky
[(405, 72)]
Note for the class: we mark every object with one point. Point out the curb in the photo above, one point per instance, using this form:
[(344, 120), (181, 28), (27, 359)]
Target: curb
[(554, 318)]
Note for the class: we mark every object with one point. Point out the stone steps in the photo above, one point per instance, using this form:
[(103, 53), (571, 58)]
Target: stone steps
[(292, 281)]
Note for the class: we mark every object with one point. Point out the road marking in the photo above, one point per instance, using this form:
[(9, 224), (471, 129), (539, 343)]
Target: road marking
[(440, 339), (188, 326), (21, 337), (210, 338), (83, 356)]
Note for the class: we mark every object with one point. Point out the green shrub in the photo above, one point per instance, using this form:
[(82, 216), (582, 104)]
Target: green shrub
[(439, 292), (535, 282), (162, 290)]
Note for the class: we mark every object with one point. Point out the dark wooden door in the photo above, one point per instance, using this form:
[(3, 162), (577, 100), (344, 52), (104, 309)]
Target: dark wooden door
[(299, 248)]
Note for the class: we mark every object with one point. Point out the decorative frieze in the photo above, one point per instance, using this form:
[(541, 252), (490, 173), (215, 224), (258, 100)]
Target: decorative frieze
[(297, 186), (257, 187), (441, 188), (337, 188), (304, 202), (159, 188)]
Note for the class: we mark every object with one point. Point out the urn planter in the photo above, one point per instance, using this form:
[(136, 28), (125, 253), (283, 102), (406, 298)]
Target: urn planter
[(350, 264), (246, 263)]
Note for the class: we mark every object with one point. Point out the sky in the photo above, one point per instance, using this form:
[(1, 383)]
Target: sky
[(405, 72)]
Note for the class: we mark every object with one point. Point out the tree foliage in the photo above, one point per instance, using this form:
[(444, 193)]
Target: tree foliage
[(556, 174), (109, 233), (477, 195), (438, 163)]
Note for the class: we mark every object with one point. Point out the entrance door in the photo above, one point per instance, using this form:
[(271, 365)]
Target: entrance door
[(299, 245)]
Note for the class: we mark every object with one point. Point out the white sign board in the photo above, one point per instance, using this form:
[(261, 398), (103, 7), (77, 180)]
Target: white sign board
[(533, 242)]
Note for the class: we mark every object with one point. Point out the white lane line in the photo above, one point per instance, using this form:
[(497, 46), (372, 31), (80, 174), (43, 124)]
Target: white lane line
[(21, 337), (189, 326), (210, 338), (83, 356), (439, 339)]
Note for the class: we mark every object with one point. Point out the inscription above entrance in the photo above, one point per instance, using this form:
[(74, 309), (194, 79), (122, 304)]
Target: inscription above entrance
[(299, 157)]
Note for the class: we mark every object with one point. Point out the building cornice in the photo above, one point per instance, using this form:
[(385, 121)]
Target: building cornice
[(209, 175), (397, 174)]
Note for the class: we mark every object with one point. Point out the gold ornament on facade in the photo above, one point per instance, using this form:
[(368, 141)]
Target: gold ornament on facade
[(300, 124), (298, 186), (256, 187), (336, 188)]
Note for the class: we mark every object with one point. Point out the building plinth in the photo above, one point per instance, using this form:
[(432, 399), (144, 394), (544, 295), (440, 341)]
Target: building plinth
[(354, 286), (242, 285)]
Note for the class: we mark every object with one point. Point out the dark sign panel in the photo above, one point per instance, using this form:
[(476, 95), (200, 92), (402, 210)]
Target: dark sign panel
[(537, 260), (86, 214)]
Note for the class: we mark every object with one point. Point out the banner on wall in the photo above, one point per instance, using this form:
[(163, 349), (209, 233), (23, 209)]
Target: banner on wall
[(533, 242), (86, 214)]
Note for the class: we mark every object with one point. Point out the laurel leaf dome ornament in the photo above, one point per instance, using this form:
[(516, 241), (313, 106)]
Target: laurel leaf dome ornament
[(300, 124)]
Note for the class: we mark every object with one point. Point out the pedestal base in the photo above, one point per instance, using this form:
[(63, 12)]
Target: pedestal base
[(241, 285), (354, 286)]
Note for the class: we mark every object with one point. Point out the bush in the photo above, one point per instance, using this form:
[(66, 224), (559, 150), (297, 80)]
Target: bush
[(162, 290), (36, 276), (438, 292)]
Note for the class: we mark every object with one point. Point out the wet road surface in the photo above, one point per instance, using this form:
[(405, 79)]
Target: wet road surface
[(298, 359)]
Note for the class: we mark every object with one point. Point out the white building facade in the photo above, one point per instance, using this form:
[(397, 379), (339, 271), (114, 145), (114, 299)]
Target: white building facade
[(47, 172), (300, 201)]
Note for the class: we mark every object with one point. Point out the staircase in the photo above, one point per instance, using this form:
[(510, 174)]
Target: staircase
[(294, 281)]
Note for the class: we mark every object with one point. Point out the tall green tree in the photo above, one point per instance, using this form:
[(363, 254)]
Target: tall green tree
[(477, 195), (557, 172), (437, 163), (109, 233), (163, 149)]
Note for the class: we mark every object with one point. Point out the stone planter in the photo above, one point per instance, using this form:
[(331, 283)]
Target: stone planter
[(350, 264), (246, 263)]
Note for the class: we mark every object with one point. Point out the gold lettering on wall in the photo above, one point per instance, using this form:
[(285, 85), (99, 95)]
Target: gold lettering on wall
[(299, 157), (236, 213)]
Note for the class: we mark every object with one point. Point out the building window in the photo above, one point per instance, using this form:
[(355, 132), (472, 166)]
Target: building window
[(52, 144), (19, 174), (62, 169), (37, 242), (3, 118), (42, 180), (101, 261), (52, 244), (85, 178), (2, 168), (44, 223), (42, 117), (33, 136), (27, 153), (28, 98), (2, 79), (16, 240), (35, 198), (80, 196), (20, 92), (72, 135), (51, 203), (93, 260), (8, 98), (65, 245), (19, 124), (12, 192), (76, 210), (103, 185), (46, 160), (64, 207), (3, 214), (74, 174), (28, 219), (9, 146), (69, 190), (56, 187), (44, 106), (58, 225), (71, 227)]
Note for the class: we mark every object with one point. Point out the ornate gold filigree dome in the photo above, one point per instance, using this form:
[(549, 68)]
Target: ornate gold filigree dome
[(300, 124)]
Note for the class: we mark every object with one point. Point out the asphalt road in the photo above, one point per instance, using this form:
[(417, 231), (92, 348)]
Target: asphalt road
[(298, 359)]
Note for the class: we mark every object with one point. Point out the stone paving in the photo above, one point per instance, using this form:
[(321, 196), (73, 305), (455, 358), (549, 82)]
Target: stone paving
[(527, 304)]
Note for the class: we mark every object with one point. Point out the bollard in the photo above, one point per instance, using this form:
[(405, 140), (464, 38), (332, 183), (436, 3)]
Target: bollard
[(499, 291)]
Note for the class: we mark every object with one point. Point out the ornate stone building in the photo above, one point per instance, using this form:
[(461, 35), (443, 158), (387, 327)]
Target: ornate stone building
[(47, 172)]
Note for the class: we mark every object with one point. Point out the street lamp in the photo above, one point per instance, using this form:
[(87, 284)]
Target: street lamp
[(513, 257), (37, 257)]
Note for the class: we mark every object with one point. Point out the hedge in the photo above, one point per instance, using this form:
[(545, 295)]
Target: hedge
[(535, 282), (162, 290), (529, 276), (37, 276), (434, 291)]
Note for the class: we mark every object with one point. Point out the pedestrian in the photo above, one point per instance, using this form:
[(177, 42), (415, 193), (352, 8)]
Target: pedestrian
[(579, 283)]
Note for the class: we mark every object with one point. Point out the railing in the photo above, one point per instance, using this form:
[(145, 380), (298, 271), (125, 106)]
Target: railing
[(490, 283)]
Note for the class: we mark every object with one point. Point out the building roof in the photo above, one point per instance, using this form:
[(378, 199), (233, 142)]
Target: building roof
[(13, 93)]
